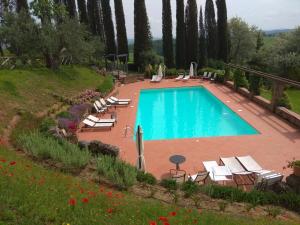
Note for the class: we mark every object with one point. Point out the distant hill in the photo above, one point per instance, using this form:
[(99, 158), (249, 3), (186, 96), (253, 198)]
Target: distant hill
[(276, 31)]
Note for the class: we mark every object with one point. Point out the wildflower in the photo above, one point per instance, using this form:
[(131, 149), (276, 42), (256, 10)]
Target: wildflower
[(166, 223), (85, 200), (3, 160), (12, 163), (109, 194), (195, 221), (152, 223), (72, 202), (163, 219), (172, 213), (110, 210)]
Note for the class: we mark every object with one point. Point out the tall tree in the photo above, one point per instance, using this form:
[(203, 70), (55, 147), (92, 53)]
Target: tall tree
[(71, 8), (180, 35), (142, 34), (192, 31), (21, 5), (167, 34), (222, 31), (110, 43), (211, 29), (186, 35), (202, 42), (95, 18), (121, 28), (83, 17)]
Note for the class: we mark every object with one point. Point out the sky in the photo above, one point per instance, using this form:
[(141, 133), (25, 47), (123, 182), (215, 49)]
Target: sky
[(265, 14)]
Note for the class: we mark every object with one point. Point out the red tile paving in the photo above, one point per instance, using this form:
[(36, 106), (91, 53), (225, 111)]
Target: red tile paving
[(277, 142)]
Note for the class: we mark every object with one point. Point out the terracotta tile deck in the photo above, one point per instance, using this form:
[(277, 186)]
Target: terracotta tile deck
[(277, 143)]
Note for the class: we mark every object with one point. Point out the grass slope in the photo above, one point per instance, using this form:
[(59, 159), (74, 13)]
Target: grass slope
[(33, 195), (30, 89)]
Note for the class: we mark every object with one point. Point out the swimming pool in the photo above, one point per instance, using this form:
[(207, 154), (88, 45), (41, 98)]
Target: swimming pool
[(189, 112)]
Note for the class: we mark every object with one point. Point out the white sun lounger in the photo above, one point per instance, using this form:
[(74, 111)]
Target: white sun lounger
[(210, 166), (204, 75), (251, 165), (159, 78), (103, 102), (120, 99), (214, 77), (97, 120), (180, 77), (208, 76), (114, 103), (267, 179), (98, 110), (92, 125), (100, 106), (186, 78), (234, 165), (154, 77)]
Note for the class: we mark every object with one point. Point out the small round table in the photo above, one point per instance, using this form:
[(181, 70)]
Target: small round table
[(177, 159)]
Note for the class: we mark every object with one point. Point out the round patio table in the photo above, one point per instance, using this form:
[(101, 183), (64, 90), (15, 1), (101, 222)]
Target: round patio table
[(177, 159)]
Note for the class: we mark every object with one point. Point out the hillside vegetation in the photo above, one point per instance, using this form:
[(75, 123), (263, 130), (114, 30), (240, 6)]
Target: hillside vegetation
[(32, 89)]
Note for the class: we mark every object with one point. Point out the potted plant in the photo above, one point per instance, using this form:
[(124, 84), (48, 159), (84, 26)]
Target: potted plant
[(295, 164)]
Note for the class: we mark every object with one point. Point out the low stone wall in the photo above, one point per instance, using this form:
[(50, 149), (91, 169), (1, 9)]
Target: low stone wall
[(283, 112), (289, 115)]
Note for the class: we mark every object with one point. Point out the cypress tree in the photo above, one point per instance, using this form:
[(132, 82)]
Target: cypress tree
[(121, 28), (180, 35), (71, 8), (83, 17), (192, 32), (167, 34), (142, 34), (95, 18), (211, 29), (202, 42), (108, 27), (259, 41), (186, 35), (21, 5), (222, 35)]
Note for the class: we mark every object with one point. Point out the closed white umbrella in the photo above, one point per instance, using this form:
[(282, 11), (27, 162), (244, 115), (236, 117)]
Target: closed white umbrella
[(191, 70), (140, 149)]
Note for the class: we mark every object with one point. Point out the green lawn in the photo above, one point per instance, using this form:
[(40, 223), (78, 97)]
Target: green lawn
[(31, 89), (33, 195), (293, 95)]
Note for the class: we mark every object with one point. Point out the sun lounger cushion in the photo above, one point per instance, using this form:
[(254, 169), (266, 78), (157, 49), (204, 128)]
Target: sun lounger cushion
[(209, 165), (120, 100)]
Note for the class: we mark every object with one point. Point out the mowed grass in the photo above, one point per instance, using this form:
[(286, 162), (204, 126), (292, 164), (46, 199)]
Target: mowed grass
[(31, 89), (33, 195), (293, 95)]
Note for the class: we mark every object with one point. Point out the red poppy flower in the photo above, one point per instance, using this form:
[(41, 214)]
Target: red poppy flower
[(195, 221), (152, 223), (12, 163), (109, 194), (110, 210), (85, 200), (166, 223), (3, 160), (72, 202), (163, 219), (172, 213)]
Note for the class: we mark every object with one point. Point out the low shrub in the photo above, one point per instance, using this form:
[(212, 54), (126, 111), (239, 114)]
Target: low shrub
[(169, 184), (106, 86), (189, 188), (171, 72), (254, 84), (46, 125), (146, 178), (64, 114), (284, 101), (239, 79), (288, 200), (273, 211), (43, 147), (116, 171), (98, 148)]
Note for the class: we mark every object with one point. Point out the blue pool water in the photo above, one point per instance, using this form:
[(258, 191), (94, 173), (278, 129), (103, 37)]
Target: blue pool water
[(190, 112)]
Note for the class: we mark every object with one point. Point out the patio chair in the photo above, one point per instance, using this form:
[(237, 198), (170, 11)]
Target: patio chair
[(104, 103), (178, 175), (89, 125), (186, 78), (208, 76), (159, 78), (180, 77), (200, 177), (209, 167), (266, 180), (251, 165), (97, 120), (204, 75), (240, 176), (154, 78), (120, 99)]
